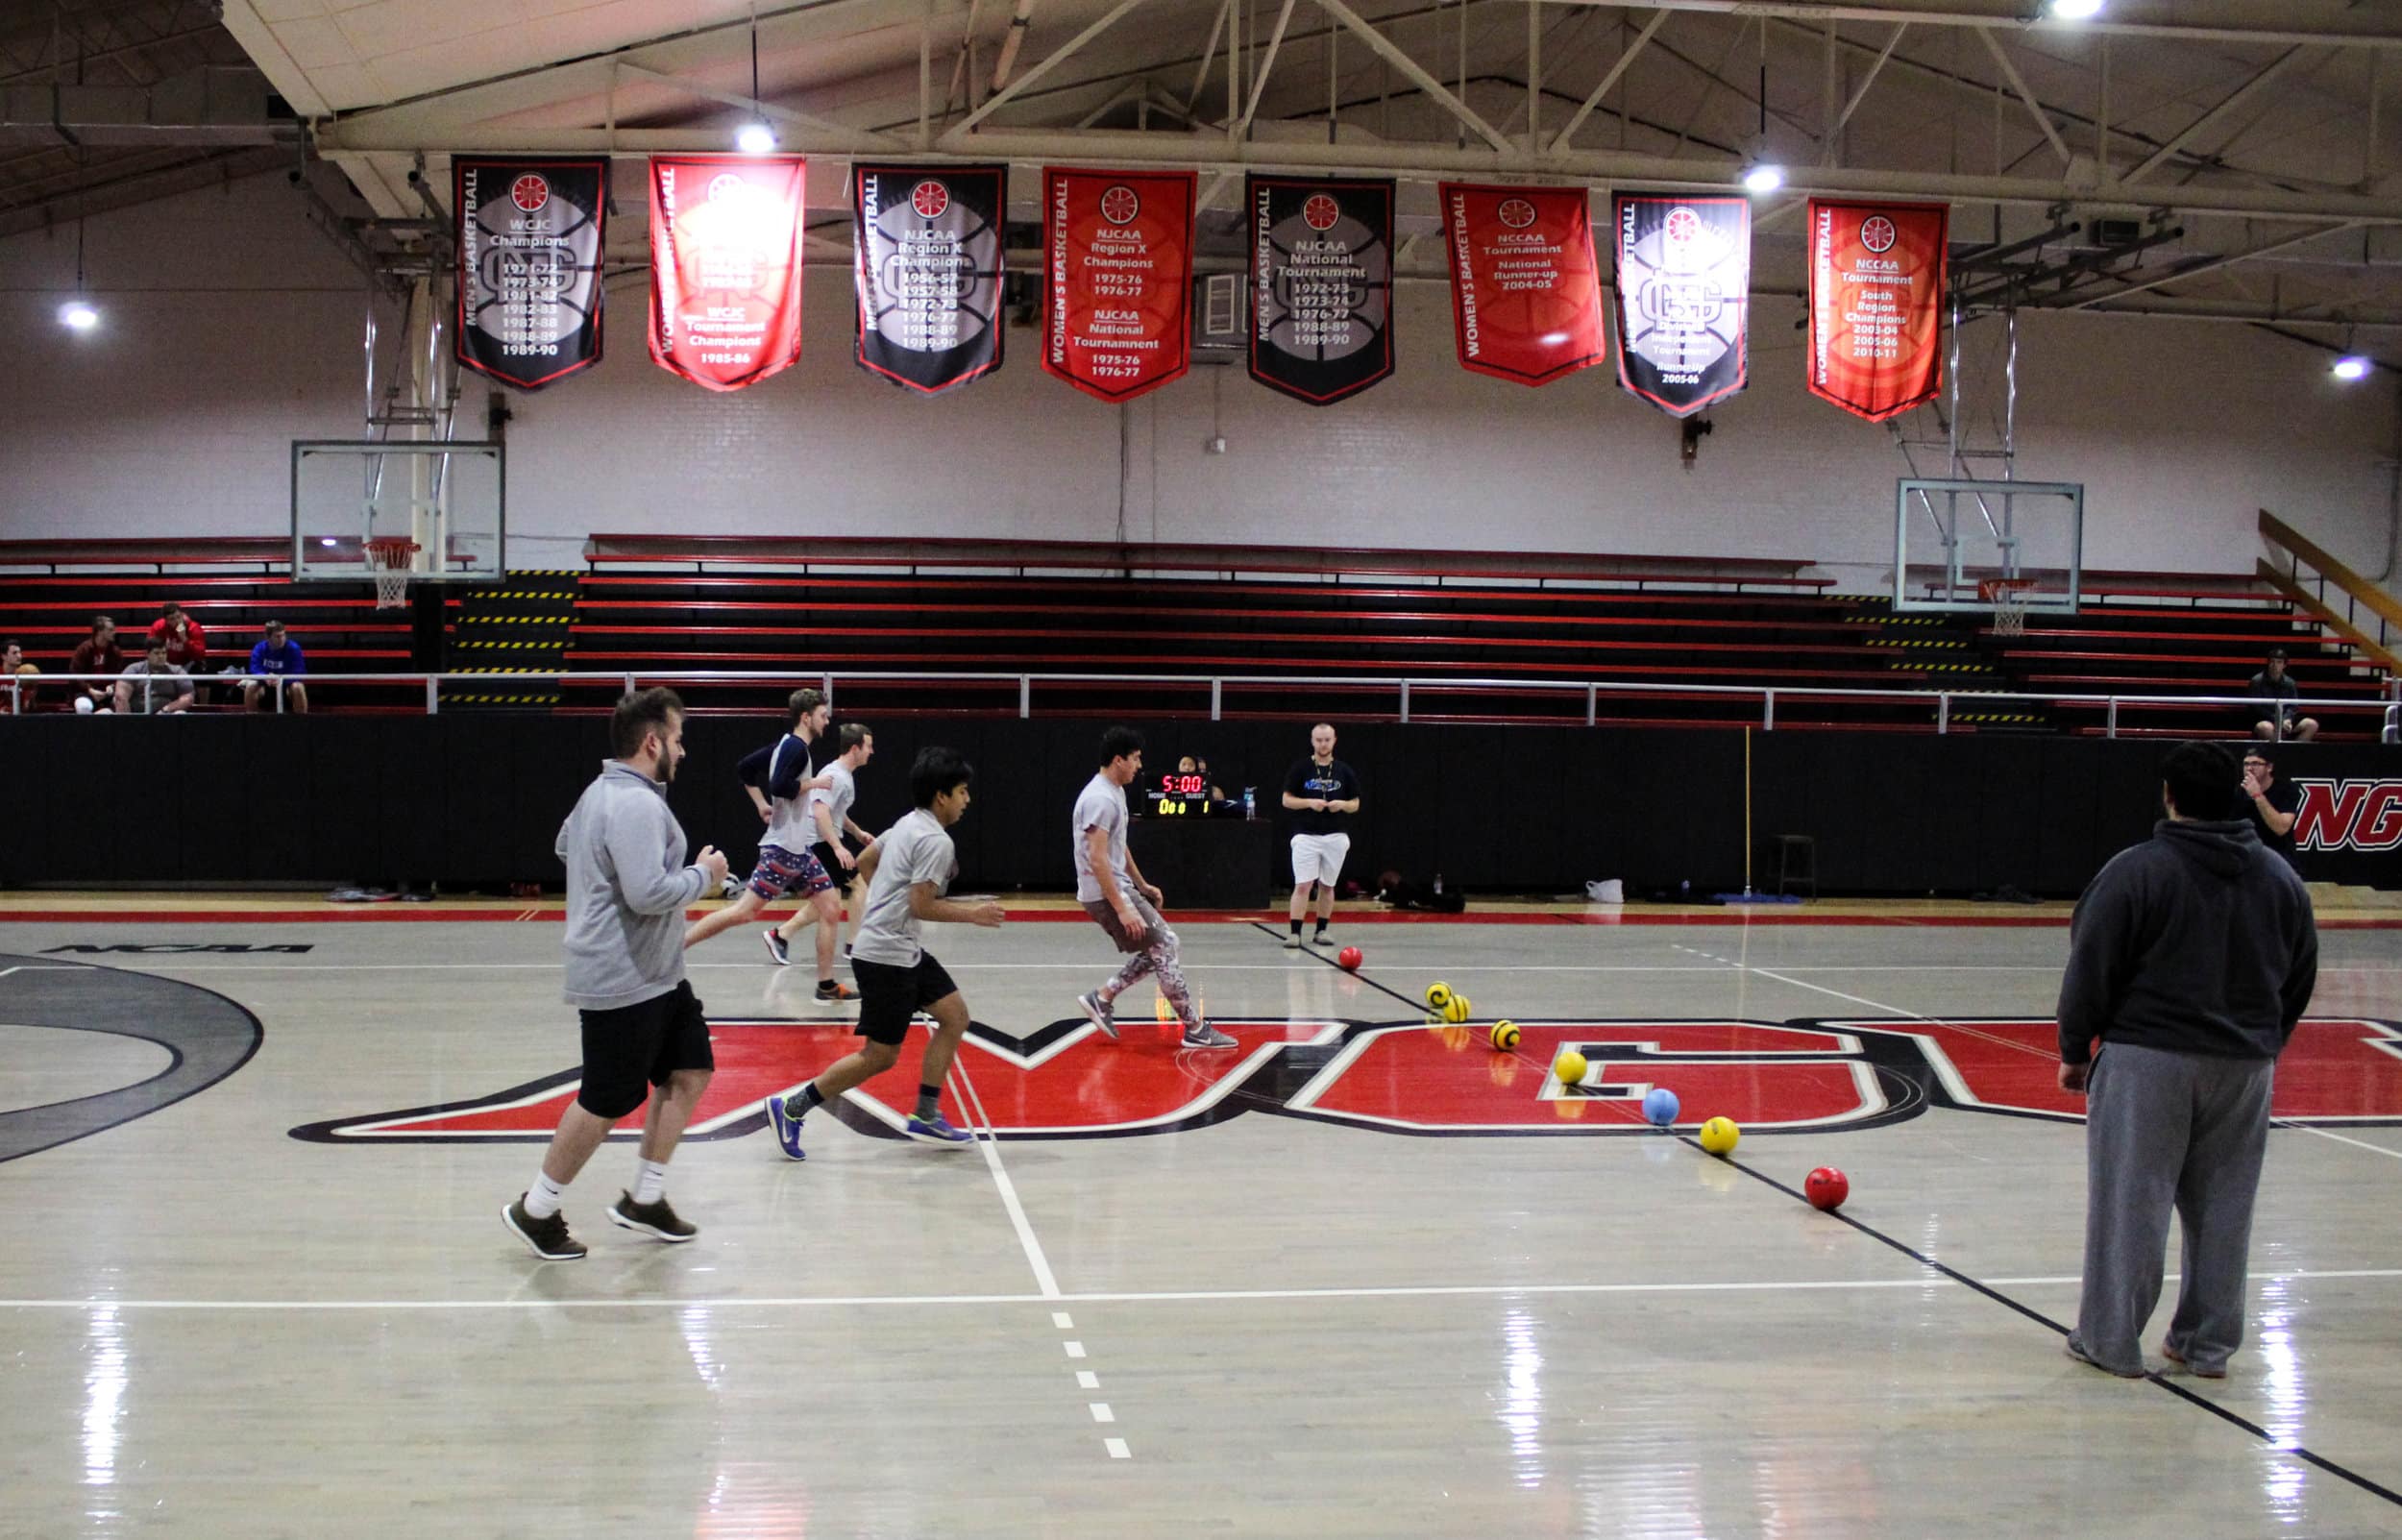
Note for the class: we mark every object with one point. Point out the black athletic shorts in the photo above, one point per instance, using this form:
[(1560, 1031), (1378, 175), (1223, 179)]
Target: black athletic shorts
[(890, 994), (833, 865), (636, 1046)]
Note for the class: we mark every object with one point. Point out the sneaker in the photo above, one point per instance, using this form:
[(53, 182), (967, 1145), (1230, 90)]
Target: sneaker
[(1292, 940), (2169, 1353), (778, 948), (2075, 1349), (1324, 939), (1206, 1036), (787, 1128), (653, 1219), (835, 990), (1097, 1011), (937, 1130), (547, 1238)]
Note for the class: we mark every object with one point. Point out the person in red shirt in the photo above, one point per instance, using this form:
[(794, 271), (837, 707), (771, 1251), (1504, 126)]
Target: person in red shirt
[(97, 653), (186, 644)]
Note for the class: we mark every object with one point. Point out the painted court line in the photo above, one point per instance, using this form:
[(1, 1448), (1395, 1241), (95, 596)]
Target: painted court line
[(1086, 1379), (1118, 1449), (991, 1148), (1076, 1349)]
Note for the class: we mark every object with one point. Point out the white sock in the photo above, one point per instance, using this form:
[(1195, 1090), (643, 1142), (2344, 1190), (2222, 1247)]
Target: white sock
[(1107, 993), (543, 1198), (651, 1185)]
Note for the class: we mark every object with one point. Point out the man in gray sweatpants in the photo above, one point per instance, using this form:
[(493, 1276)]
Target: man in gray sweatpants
[(2190, 959)]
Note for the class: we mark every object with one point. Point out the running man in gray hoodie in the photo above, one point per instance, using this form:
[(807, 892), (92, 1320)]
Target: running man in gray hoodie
[(2191, 960), (628, 888)]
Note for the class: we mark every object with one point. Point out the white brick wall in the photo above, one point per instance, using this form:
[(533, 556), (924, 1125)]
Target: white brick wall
[(175, 418)]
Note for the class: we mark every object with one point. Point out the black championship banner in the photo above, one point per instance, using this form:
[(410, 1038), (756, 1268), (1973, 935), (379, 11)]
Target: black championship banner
[(928, 260), (1321, 284), (529, 246), (1683, 270)]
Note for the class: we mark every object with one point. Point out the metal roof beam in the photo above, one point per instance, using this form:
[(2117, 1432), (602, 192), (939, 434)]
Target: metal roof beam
[(2015, 14)]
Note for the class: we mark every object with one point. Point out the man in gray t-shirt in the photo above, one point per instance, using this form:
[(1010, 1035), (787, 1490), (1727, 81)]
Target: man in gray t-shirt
[(1111, 887), (154, 686), (897, 976)]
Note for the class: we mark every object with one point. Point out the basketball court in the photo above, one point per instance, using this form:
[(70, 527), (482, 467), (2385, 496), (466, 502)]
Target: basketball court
[(1363, 1276)]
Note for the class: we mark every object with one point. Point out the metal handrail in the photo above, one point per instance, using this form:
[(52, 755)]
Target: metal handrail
[(2389, 703)]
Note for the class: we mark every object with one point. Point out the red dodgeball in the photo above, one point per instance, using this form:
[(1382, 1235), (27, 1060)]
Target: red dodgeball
[(1349, 957), (1826, 1187)]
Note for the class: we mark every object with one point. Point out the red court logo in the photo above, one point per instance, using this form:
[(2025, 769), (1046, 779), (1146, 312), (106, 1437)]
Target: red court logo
[(2359, 815), (1423, 1079)]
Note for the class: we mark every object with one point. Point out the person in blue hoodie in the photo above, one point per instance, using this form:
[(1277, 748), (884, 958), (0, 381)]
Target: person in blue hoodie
[(644, 1035), (2190, 959)]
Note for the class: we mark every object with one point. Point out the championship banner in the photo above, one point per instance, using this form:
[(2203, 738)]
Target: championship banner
[(1876, 292), (1118, 279), (528, 230), (928, 264), (1321, 284), (1684, 272), (726, 234), (1526, 289)]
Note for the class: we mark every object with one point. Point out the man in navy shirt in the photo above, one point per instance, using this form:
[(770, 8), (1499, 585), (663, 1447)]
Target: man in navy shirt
[(275, 656)]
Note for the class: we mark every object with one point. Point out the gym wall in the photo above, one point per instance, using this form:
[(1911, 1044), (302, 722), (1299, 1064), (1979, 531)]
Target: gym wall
[(233, 328)]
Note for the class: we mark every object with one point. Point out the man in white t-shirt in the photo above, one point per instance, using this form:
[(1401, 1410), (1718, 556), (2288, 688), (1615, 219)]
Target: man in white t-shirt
[(829, 811), (1111, 890), (897, 976)]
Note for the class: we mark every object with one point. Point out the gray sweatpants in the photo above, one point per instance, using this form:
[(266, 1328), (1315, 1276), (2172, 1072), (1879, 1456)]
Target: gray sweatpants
[(2169, 1130)]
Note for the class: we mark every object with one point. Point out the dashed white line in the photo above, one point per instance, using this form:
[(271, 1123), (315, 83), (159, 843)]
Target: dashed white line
[(1101, 1412), (1086, 1379), (1075, 1349), (1118, 1449), (1060, 1319)]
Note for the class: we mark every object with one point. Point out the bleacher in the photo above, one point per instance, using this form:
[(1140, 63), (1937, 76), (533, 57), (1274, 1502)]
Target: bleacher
[(1484, 637)]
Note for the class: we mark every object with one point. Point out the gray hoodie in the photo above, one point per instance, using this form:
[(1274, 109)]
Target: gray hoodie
[(628, 888)]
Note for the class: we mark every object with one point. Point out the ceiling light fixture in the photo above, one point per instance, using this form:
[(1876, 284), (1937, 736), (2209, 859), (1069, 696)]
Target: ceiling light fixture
[(756, 137), (2075, 10), (1764, 178), (2351, 366), (78, 314)]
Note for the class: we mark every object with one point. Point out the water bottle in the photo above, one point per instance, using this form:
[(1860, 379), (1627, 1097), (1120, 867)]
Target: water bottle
[(1684, 893), (1439, 884), (1250, 802)]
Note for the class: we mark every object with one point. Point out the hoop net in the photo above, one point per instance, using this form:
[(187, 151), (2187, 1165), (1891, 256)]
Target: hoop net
[(388, 558), (2008, 598)]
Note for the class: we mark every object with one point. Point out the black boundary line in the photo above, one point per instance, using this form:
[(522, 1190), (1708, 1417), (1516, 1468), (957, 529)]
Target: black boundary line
[(2155, 1377)]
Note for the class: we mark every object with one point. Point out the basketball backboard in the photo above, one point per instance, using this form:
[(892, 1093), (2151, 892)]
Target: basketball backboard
[(1949, 537), (446, 497)]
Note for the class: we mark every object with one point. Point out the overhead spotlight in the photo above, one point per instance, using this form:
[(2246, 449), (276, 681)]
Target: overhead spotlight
[(756, 138), (2351, 366), (2075, 10), (78, 316), (1764, 178)]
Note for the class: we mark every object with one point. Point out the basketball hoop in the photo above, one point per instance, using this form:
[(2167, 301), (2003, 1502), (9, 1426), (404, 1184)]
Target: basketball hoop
[(2008, 596), (388, 558)]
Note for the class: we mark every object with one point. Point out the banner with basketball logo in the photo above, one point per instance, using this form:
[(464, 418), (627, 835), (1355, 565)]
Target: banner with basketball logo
[(928, 270), (1526, 288), (1118, 279), (529, 241), (1321, 284), (1683, 267), (726, 234), (1877, 293)]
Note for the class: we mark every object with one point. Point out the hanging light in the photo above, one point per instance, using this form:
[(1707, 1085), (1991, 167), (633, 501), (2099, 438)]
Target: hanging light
[(1764, 178), (78, 314), (2075, 10), (2351, 366), (756, 138)]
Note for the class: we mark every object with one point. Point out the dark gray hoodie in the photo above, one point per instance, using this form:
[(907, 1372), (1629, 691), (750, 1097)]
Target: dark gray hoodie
[(2197, 941)]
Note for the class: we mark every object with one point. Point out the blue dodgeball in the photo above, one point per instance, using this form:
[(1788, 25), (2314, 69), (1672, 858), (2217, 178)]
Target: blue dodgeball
[(1660, 1107)]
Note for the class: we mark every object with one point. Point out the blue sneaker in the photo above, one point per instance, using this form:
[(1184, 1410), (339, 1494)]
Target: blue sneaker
[(787, 1130), (937, 1130)]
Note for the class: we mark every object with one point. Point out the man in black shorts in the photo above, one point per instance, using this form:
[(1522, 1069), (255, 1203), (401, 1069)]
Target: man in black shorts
[(627, 887), (2274, 805), (897, 976)]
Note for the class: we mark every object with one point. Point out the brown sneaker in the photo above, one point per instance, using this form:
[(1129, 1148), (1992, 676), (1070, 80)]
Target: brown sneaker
[(547, 1238), (653, 1219)]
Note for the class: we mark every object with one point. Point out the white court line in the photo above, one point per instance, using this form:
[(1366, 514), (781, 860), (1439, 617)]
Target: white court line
[(1227, 1296), (1100, 1410), (1118, 1449), (1062, 1320), (1940, 1022), (991, 1148), (1086, 1379)]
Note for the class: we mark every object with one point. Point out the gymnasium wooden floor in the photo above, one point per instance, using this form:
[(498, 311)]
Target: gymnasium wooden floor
[(1364, 1277)]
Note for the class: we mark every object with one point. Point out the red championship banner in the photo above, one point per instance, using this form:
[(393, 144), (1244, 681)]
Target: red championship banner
[(1876, 289), (726, 234), (1526, 290), (1117, 278)]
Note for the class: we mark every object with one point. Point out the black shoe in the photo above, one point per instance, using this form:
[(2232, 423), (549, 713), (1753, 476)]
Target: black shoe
[(547, 1238), (653, 1219)]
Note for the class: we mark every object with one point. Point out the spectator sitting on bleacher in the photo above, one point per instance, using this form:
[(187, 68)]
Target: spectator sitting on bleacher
[(13, 664), (2266, 711), (139, 695), (186, 644), (276, 655), (97, 653)]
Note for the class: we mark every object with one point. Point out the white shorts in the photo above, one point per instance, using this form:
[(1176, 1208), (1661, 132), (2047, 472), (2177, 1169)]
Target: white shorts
[(1318, 857)]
